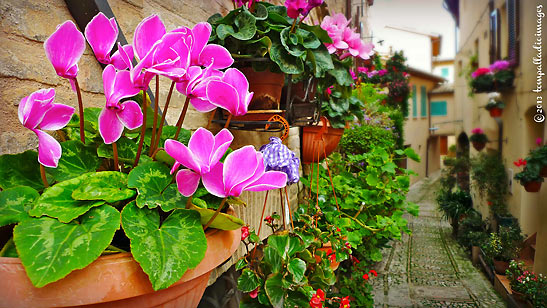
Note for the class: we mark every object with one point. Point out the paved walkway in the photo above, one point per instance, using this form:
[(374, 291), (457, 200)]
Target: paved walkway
[(429, 269)]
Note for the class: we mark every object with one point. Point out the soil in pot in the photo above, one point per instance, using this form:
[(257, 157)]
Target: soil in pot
[(478, 145), (501, 266), (532, 186), (267, 87), (495, 112)]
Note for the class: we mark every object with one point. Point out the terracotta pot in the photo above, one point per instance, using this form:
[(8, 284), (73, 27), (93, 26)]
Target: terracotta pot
[(475, 252), (299, 90), (267, 87), (543, 172), (532, 186), (115, 281), (319, 141), (501, 266), (495, 112), (326, 247), (478, 145), (520, 297)]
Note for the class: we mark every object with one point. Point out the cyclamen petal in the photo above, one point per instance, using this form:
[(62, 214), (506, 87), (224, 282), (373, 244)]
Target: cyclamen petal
[(101, 34), (49, 149), (187, 182), (118, 61), (130, 115), (181, 154), (33, 108), (216, 55), (269, 180), (213, 181), (147, 33), (110, 127), (64, 49), (201, 145), (57, 117)]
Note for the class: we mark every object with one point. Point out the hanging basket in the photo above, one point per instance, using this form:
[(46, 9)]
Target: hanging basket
[(495, 112), (319, 141), (532, 186), (115, 281), (478, 145)]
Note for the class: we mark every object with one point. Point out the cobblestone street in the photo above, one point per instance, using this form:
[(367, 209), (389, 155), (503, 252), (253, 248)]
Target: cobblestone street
[(429, 268)]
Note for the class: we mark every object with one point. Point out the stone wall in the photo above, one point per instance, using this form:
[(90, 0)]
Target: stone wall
[(24, 68)]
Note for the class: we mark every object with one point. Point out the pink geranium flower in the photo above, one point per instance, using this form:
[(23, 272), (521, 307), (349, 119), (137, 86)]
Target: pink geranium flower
[(231, 92), (203, 152), (477, 130), (64, 49), (37, 112), (242, 170), (115, 116), (500, 65), (480, 71)]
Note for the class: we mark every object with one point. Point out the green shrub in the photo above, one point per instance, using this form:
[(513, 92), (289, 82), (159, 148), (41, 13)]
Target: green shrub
[(363, 138)]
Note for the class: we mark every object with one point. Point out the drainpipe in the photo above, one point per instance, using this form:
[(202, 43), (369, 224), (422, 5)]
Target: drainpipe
[(428, 134)]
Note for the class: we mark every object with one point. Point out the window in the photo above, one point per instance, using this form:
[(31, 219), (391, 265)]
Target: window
[(438, 108), (414, 102), (444, 72), (513, 52), (423, 95), (495, 34)]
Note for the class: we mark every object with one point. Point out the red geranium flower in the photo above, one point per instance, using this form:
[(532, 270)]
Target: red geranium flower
[(373, 272), (348, 245), (489, 203), (365, 276), (254, 293), (354, 260), (317, 299), (331, 255), (344, 303), (244, 232), (520, 162), (268, 219)]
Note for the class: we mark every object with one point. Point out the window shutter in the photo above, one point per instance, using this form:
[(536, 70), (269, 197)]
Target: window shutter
[(513, 31), (495, 52), (414, 102), (423, 94)]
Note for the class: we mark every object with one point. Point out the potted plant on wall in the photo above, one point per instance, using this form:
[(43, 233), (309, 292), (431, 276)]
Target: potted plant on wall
[(478, 138), (86, 235), (530, 176), (538, 156), (482, 80), (495, 106), (503, 74), (503, 247)]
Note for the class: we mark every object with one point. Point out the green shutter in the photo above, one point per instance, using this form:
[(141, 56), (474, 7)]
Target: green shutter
[(424, 101), (414, 102), (444, 72), (438, 109)]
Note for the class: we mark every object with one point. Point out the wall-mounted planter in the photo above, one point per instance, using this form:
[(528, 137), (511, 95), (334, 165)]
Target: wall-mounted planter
[(532, 186), (495, 112), (543, 172), (478, 145), (501, 266), (115, 281)]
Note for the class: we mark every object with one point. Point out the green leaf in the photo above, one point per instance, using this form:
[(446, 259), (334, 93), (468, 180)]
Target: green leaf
[(409, 152), (76, 160), (272, 258), (168, 132), (20, 169), (285, 245), (389, 167), (153, 183), (321, 60), (50, 250), (57, 201), (241, 264), (127, 150), (110, 186), (248, 281), (222, 221), (286, 62), (274, 290), (223, 31), (9, 250), (246, 25), (295, 50), (15, 203), (309, 40), (297, 267), (164, 251), (261, 12), (341, 74)]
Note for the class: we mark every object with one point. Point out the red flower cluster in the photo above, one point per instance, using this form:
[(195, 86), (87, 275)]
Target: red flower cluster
[(317, 299), (268, 219), (489, 203), (480, 71), (355, 260), (244, 232), (520, 162), (331, 255), (344, 303), (372, 272)]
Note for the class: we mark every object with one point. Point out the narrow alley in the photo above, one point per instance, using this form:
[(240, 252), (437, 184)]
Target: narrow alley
[(429, 268)]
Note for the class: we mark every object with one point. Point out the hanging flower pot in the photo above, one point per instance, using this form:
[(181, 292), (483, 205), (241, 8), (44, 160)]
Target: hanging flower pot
[(319, 141), (532, 186), (267, 87), (115, 281), (478, 145), (327, 248), (495, 112)]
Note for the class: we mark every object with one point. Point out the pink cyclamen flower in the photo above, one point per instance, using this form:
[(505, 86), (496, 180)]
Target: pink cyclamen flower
[(335, 26), (242, 170), (203, 152), (101, 34), (480, 71), (477, 130), (231, 92), (538, 141), (382, 72), (115, 116), (362, 69), (295, 7), (500, 65), (353, 75), (194, 85), (36, 112), (356, 47), (64, 49)]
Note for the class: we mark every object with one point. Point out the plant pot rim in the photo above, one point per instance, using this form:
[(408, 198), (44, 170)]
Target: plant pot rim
[(109, 278)]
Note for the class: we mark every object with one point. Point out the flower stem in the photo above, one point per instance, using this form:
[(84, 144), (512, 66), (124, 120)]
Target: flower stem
[(293, 24), (158, 137), (215, 215), (115, 151), (156, 153), (182, 116), (43, 175), (153, 141), (228, 121), (289, 205), (143, 129), (211, 118), (80, 110), (189, 202)]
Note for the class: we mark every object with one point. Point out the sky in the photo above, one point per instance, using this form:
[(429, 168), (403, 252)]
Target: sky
[(427, 16)]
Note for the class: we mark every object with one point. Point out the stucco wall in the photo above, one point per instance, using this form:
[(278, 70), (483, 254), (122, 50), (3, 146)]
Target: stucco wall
[(24, 68), (519, 130)]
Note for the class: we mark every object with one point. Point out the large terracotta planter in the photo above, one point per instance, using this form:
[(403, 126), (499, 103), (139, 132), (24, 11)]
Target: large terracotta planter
[(478, 145), (115, 281), (267, 87), (319, 142), (501, 266), (495, 112), (532, 186)]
